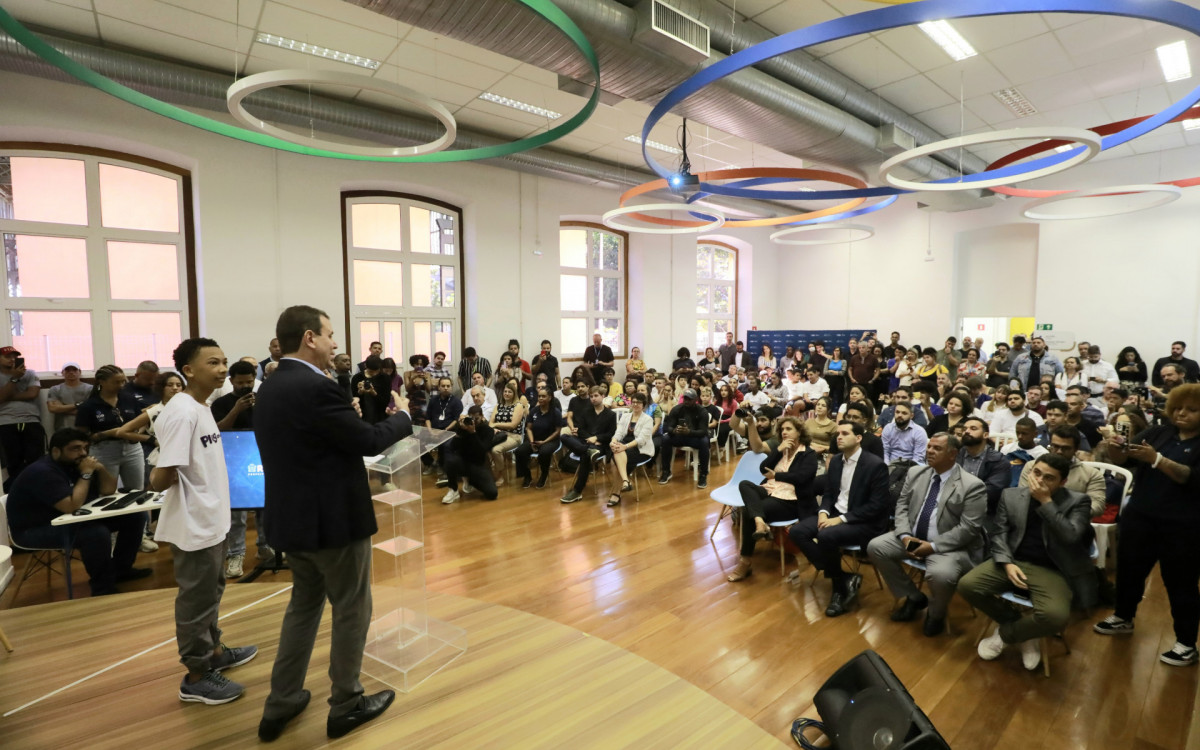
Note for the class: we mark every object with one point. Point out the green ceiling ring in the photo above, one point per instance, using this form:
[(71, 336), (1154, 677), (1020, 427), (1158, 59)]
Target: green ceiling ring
[(543, 8)]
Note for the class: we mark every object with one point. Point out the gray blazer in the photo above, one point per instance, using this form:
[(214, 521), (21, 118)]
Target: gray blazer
[(1066, 532), (962, 508)]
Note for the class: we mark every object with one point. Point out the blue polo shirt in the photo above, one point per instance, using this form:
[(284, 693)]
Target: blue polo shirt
[(37, 489), (95, 414)]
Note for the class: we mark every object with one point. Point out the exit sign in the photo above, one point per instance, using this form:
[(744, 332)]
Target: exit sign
[(1044, 327)]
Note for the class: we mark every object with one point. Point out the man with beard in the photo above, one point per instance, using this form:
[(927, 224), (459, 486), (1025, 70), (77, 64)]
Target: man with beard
[(979, 458), (903, 440), (1029, 367), (235, 411), (1056, 415), (343, 372)]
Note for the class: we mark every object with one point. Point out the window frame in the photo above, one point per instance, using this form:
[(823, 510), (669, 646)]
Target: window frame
[(622, 314), (99, 303), (733, 294), (409, 314)]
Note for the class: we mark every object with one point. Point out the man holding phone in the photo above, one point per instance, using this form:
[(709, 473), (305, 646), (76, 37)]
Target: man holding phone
[(21, 435), (939, 515)]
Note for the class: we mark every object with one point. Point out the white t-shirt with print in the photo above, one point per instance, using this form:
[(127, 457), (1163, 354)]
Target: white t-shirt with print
[(195, 512)]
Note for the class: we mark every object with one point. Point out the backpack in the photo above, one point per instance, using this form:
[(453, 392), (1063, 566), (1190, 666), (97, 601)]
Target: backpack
[(897, 473)]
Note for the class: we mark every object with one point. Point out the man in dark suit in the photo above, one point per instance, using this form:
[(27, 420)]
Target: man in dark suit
[(939, 517), (319, 511), (1040, 548), (854, 510)]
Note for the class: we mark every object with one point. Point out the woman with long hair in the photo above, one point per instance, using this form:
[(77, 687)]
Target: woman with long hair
[(102, 415), (997, 404), (821, 428), (958, 407), (508, 424), (786, 491), (858, 392), (710, 361), (1130, 368), (166, 386), (584, 373), (683, 360), (971, 366), (1072, 374), (728, 402), (625, 397), (835, 375), (663, 406), (635, 366), (506, 369), (766, 360)]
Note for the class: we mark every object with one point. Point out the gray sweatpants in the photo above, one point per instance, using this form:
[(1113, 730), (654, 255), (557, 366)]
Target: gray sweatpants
[(201, 579), (343, 576)]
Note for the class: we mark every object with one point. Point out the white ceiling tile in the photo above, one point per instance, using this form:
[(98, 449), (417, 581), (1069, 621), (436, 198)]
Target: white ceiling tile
[(972, 77), (537, 75), (870, 63), (951, 120), (628, 154), (247, 11), (1103, 35), (477, 55), (81, 4), (914, 47), (989, 109), (987, 33), (750, 8), (169, 19), (1058, 91), (1120, 75), (286, 21), (851, 7), (915, 94), (116, 31), (1059, 20), (1139, 103), (264, 57), (1163, 139), (482, 117), (521, 89), (450, 68), (1030, 59), (410, 56), (344, 12), (1083, 115), (796, 14), (53, 16), (820, 51)]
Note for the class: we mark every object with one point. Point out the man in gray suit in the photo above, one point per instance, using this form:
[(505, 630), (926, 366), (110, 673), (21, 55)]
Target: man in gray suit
[(938, 522), (1040, 548)]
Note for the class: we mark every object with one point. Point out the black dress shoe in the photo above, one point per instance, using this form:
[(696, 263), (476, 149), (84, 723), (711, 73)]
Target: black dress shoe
[(836, 606), (933, 626), (270, 729), (369, 706), (908, 611), (853, 583)]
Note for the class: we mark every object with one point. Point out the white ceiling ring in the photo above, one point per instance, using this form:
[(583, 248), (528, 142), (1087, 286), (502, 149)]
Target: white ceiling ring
[(1086, 138), (868, 232), (273, 78), (1166, 194), (717, 216)]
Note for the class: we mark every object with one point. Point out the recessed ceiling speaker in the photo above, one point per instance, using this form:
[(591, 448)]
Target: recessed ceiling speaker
[(864, 706)]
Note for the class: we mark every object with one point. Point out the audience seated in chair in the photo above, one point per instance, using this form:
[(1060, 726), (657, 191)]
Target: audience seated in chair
[(1088, 480), (588, 437), (686, 426), (939, 522), (903, 440), (632, 443), (980, 459), (541, 437), (507, 423)]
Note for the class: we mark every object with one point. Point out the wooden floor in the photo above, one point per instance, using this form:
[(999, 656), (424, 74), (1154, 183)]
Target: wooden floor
[(644, 577)]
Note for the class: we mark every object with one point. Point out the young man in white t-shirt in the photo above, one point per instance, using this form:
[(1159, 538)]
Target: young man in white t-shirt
[(194, 520)]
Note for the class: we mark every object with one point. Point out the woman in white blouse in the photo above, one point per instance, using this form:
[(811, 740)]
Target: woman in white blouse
[(767, 360), (633, 442), (1072, 374)]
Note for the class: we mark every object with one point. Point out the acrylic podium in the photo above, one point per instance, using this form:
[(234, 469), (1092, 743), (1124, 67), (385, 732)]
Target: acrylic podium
[(405, 645)]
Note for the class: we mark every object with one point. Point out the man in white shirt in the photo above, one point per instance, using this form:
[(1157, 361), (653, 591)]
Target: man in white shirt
[(489, 396), (794, 385), (813, 389), (565, 395), (1097, 372), (755, 398), (1005, 421), (194, 520)]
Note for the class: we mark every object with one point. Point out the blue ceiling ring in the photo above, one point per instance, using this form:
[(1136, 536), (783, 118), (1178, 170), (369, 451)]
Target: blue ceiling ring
[(1168, 12), (887, 201)]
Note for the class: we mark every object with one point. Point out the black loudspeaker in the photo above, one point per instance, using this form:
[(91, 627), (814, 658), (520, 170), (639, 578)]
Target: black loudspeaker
[(864, 706)]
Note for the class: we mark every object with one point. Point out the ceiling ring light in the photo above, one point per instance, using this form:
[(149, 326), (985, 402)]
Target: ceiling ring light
[(779, 173), (1168, 194), (1038, 148), (1089, 146), (544, 9), (777, 237), (273, 78), (887, 201), (1174, 14), (718, 219)]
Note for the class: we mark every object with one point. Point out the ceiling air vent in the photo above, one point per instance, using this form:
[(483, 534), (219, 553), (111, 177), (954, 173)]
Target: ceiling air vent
[(665, 29), (894, 139)]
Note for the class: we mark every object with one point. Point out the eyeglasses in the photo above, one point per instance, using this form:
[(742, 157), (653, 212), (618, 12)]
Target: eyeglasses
[(1060, 448)]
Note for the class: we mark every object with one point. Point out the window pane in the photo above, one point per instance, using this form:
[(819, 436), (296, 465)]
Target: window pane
[(441, 233), (702, 298), (447, 286), (605, 295), (422, 335), (604, 250), (443, 338), (724, 264), (139, 270), (419, 240), (720, 328), (393, 340), (368, 331), (573, 291), (54, 267), (701, 336), (378, 283), (48, 340), (575, 336), (134, 199), (139, 336), (704, 262), (572, 249), (721, 299), (41, 189), (375, 225), (426, 285), (610, 332)]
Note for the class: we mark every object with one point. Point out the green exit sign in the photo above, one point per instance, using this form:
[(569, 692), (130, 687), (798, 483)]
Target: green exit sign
[(1044, 327)]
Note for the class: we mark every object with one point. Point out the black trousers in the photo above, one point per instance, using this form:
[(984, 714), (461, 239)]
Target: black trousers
[(822, 547), (699, 442), (102, 560), (758, 504), (478, 474), (580, 448), (22, 444), (545, 453), (1145, 541)]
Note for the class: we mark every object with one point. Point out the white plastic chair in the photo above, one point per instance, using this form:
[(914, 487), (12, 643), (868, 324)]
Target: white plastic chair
[(1001, 439), (646, 461), (728, 495), (1104, 530)]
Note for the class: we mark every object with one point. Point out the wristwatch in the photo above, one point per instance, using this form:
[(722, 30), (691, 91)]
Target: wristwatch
[(87, 475)]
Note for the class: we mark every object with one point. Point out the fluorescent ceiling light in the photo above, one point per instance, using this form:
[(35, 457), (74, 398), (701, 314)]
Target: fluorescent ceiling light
[(1190, 124), (1173, 58), (1063, 148), (654, 144), (949, 39), (317, 50), (549, 114), (1016, 101)]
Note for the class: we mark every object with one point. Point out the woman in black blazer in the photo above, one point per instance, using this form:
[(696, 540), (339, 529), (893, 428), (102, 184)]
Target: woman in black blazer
[(785, 493)]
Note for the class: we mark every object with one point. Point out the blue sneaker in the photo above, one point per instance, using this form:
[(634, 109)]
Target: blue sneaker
[(213, 689), (232, 657)]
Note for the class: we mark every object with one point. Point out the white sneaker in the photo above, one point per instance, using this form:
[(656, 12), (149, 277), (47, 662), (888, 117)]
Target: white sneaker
[(467, 488), (450, 497), (991, 647), (1031, 653), (233, 566), (148, 544)]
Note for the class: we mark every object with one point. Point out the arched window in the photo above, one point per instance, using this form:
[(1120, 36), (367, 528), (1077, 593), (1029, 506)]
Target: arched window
[(716, 293), (98, 257)]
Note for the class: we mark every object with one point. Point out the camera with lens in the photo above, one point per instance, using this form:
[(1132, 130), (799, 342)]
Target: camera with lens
[(742, 412)]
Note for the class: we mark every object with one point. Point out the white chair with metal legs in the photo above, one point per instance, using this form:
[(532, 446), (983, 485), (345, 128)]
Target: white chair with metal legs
[(632, 470), (41, 557), (1104, 530), (728, 495)]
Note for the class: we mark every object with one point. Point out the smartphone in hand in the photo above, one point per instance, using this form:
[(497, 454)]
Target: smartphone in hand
[(912, 545)]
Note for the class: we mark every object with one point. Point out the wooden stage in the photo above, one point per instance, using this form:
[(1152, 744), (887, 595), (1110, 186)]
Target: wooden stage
[(559, 602)]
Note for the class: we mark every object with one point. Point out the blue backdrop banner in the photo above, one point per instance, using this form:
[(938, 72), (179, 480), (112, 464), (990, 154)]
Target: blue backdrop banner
[(800, 339)]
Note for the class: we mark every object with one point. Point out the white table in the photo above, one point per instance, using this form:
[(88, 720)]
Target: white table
[(99, 514)]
